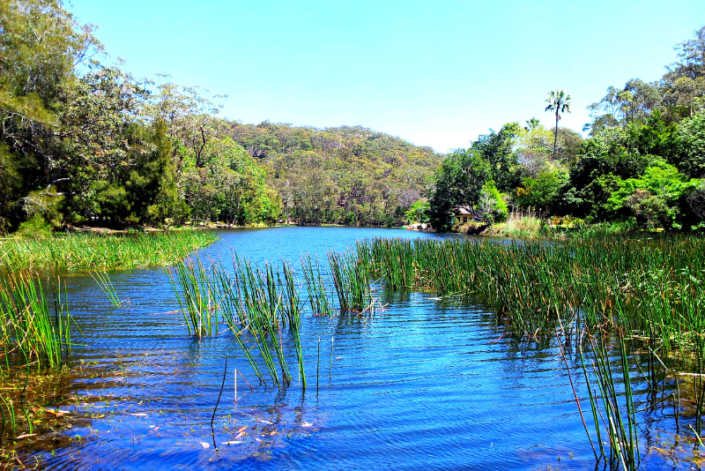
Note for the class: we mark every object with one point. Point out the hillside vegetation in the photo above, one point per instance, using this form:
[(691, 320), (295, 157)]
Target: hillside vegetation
[(348, 175), (83, 142)]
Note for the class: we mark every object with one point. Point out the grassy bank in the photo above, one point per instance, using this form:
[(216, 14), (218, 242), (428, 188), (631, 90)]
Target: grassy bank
[(528, 226), (80, 251)]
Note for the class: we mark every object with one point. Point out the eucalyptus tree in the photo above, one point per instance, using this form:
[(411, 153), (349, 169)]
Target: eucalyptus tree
[(191, 116), (41, 45), (559, 102), (692, 59)]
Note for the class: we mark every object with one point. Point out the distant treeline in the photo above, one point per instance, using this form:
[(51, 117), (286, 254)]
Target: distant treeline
[(347, 175), (82, 142), (641, 166)]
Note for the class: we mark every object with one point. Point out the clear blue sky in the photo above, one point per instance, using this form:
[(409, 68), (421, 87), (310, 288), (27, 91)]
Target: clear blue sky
[(435, 73)]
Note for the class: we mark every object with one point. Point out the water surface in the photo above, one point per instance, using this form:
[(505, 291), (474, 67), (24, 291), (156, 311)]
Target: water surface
[(426, 384)]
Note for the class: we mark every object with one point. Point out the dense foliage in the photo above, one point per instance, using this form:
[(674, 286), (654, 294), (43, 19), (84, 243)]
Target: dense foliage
[(82, 142), (348, 175), (643, 163)]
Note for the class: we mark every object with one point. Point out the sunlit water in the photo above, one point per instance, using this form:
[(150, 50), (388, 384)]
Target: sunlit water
[(426, 384)]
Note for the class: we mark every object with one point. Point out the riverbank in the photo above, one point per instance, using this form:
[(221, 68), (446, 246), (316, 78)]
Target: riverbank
[(529, 227)]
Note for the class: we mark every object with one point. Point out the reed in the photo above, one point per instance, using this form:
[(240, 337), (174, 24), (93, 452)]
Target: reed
[(315, 286), (106, 286), (193, 288), (640, 285), (645, 289), (258, 305), (351, 278), (33, 327), (528, 223), (79, 251), (618, 414)]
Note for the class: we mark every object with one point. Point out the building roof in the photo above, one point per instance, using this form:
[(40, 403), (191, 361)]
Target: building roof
[(463, 211)]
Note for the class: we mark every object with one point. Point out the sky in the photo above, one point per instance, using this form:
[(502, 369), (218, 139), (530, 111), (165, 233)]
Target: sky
[(435, 73)]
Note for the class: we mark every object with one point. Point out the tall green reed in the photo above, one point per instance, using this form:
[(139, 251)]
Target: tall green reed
[(33, 327), (106, 286), (259, 306)]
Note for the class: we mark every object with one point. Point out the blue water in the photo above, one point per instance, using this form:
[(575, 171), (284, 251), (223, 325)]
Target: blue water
[(426, 384)]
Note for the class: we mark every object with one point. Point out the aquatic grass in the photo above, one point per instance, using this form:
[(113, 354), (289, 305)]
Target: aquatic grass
[(80, 251), (195, 294), (293, 312), (636, 289), (612, 282), (621, 290), (351, 278), (258, 305), (11, 419), (315, 286), (618, 422), (33, 327), (106, 286)]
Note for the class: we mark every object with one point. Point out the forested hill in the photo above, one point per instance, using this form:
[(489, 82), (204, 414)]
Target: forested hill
[(349, 175), (82, 142)]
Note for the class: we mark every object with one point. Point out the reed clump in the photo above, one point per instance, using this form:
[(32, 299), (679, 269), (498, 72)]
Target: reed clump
[(607, 294), (258, 305), (34, 328), (80, 251), (649, 287), (316, 287)]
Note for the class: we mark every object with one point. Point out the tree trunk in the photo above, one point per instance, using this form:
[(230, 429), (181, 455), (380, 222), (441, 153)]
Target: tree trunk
[(555, 138)]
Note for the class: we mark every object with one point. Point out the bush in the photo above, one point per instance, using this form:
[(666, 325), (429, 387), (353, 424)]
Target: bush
[(418, 212), (36, 228), (491, 207), (542, 192), (653, 198)]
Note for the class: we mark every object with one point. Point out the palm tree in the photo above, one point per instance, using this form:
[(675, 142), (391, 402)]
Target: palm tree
[(559, 102)]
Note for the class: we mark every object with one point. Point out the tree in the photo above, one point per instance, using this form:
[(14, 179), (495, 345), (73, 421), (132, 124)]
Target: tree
[(41, 45), (532, 124), (418, 212), (559, 102), (653, 198), (600, 160), (459, 183), (498, 149), (692, 58), (689, 146), (542, 192), (491, 207)]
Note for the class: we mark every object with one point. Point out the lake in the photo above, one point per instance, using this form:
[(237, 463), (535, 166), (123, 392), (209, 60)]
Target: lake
[(426, 383)]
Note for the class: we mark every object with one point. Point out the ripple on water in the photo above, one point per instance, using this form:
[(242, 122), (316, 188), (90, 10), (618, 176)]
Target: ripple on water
[(419, 386)]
